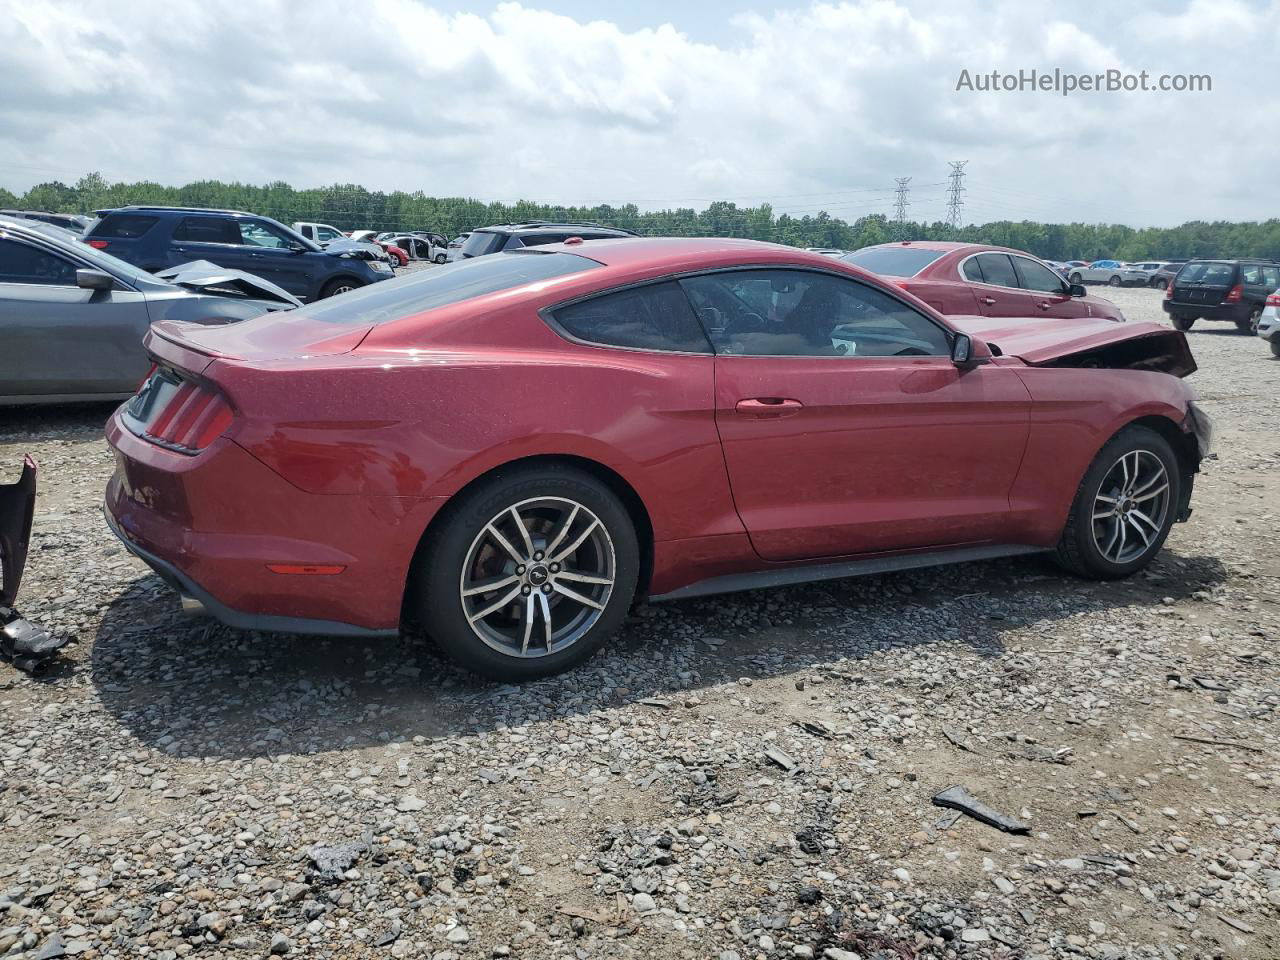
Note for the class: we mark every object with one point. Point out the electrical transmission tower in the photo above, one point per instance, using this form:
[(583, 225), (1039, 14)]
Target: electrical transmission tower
[(900, 205), (954, 204)]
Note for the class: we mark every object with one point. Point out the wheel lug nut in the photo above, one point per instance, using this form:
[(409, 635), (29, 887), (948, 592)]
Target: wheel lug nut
[(520, 569), (546, 588), (555, 568), (538, 555), (525, 590)]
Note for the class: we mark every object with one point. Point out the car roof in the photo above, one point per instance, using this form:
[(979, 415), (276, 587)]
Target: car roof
[(677, 253), (158, 208), (534, 226)]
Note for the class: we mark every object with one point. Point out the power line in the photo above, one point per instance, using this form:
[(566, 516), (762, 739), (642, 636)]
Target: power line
[(955, 204)]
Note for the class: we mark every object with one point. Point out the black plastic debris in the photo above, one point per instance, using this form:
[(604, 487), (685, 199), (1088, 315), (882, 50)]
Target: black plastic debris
[(26, 646), (958, 798)]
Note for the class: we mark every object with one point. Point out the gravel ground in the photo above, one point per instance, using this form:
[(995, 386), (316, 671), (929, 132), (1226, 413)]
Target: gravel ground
[(738, 777)]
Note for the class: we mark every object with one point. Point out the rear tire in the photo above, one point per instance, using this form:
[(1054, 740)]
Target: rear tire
[(1275, 349), (335, 287), (1115, 282), (1183, 323), (1076, 278), (1160, 283), (483, 542), (1124, 508)]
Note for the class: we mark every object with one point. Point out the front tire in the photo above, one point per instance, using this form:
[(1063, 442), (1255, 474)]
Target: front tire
[(1275, 349), (1250, 324), (1124, 508), (335, 287), (529, 573), (440, 257)]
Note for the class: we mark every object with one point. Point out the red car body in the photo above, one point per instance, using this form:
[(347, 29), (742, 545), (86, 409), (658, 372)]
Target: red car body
[(297, 464), (950, 278), (400, 256)]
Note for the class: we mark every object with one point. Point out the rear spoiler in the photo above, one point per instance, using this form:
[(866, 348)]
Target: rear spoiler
[(17, 509)]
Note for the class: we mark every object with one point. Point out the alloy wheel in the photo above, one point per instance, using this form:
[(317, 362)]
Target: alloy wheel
[(1130, 507), (537, 577)]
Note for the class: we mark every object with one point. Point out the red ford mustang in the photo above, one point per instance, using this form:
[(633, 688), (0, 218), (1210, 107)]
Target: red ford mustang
[(970, 278), (509, 450)]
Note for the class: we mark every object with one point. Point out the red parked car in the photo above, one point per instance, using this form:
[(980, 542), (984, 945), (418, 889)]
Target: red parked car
[(962, 279), (509, 450)]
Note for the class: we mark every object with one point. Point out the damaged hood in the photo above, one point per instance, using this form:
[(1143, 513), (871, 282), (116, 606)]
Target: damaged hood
[(201, 276), (355, 248), (1037, 341)]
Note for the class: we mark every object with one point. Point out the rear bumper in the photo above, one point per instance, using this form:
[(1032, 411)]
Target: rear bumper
[(211, 524), (1208, 311)]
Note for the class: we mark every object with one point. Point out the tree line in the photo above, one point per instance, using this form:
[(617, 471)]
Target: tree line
[(352, 207)]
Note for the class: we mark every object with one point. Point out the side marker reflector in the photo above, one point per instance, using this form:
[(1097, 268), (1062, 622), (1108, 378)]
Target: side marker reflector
[(306, 569)]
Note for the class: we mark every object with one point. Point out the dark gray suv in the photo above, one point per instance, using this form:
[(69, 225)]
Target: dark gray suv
[(534, 233)]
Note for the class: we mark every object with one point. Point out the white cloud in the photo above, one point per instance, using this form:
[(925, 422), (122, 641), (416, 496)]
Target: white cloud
[(811, 107)]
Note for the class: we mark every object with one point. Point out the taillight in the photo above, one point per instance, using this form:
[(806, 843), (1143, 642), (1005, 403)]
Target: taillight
[(98, 244), (194, 417), (1273, 300), (1168, 291), (1234, 294)]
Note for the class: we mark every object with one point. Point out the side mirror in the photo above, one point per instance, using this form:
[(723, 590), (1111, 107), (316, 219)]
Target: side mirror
[(95, 280), (967, 352), (295, 247), (1077, 290)]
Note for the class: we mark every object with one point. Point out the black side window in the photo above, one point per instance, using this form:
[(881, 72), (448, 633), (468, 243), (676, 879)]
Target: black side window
[(997, 269), (125, 226), (802, 313), (27, 263), (536, 239), (1271, 277), (1250, 273), (207, 230), (1034, 276), (973, 270), (652, 317)]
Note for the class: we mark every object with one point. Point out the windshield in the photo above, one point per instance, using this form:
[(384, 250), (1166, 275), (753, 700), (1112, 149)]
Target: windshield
[(451, 283), (482, 242), (893, 261), (1204, 271)]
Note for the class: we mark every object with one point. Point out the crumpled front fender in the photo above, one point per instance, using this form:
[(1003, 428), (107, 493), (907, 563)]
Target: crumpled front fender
[(17, 508)]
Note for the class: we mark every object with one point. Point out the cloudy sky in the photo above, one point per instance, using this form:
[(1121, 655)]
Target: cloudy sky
[(808, 106)]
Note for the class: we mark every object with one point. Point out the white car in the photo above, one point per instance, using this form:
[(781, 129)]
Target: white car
[(417, 246), (1269, 323), (1111, 272), (320, 233)]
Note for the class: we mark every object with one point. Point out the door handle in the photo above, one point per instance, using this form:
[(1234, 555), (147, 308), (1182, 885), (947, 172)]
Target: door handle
[(988, 300), (1042, 304), (769, 407)]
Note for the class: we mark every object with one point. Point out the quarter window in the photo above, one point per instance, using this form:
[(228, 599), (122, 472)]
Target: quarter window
[(257, 234), (798, 313), (652, 317), (1271, 277), (1250, 273), (973, 270), (1036, 276), (124, 226), (26, 263)]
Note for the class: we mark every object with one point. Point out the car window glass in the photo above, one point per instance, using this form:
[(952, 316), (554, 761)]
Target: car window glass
[(997, 269), (124, 226), (1250, 273), (207, 230), (1036, 276), (653, 317), (324, 234), (26, 263), (973, 270), (255, 233), (1202, 271), (894, 261), (808, 314), (1271, 277)]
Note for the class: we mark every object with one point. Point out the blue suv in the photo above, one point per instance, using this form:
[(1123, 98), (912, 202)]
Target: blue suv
[(156, 238)]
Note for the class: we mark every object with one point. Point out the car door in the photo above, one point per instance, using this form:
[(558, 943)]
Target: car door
[(845, 426), (60, 339), (213, 238), (274, 255), (1049, 292), (998, 292)]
